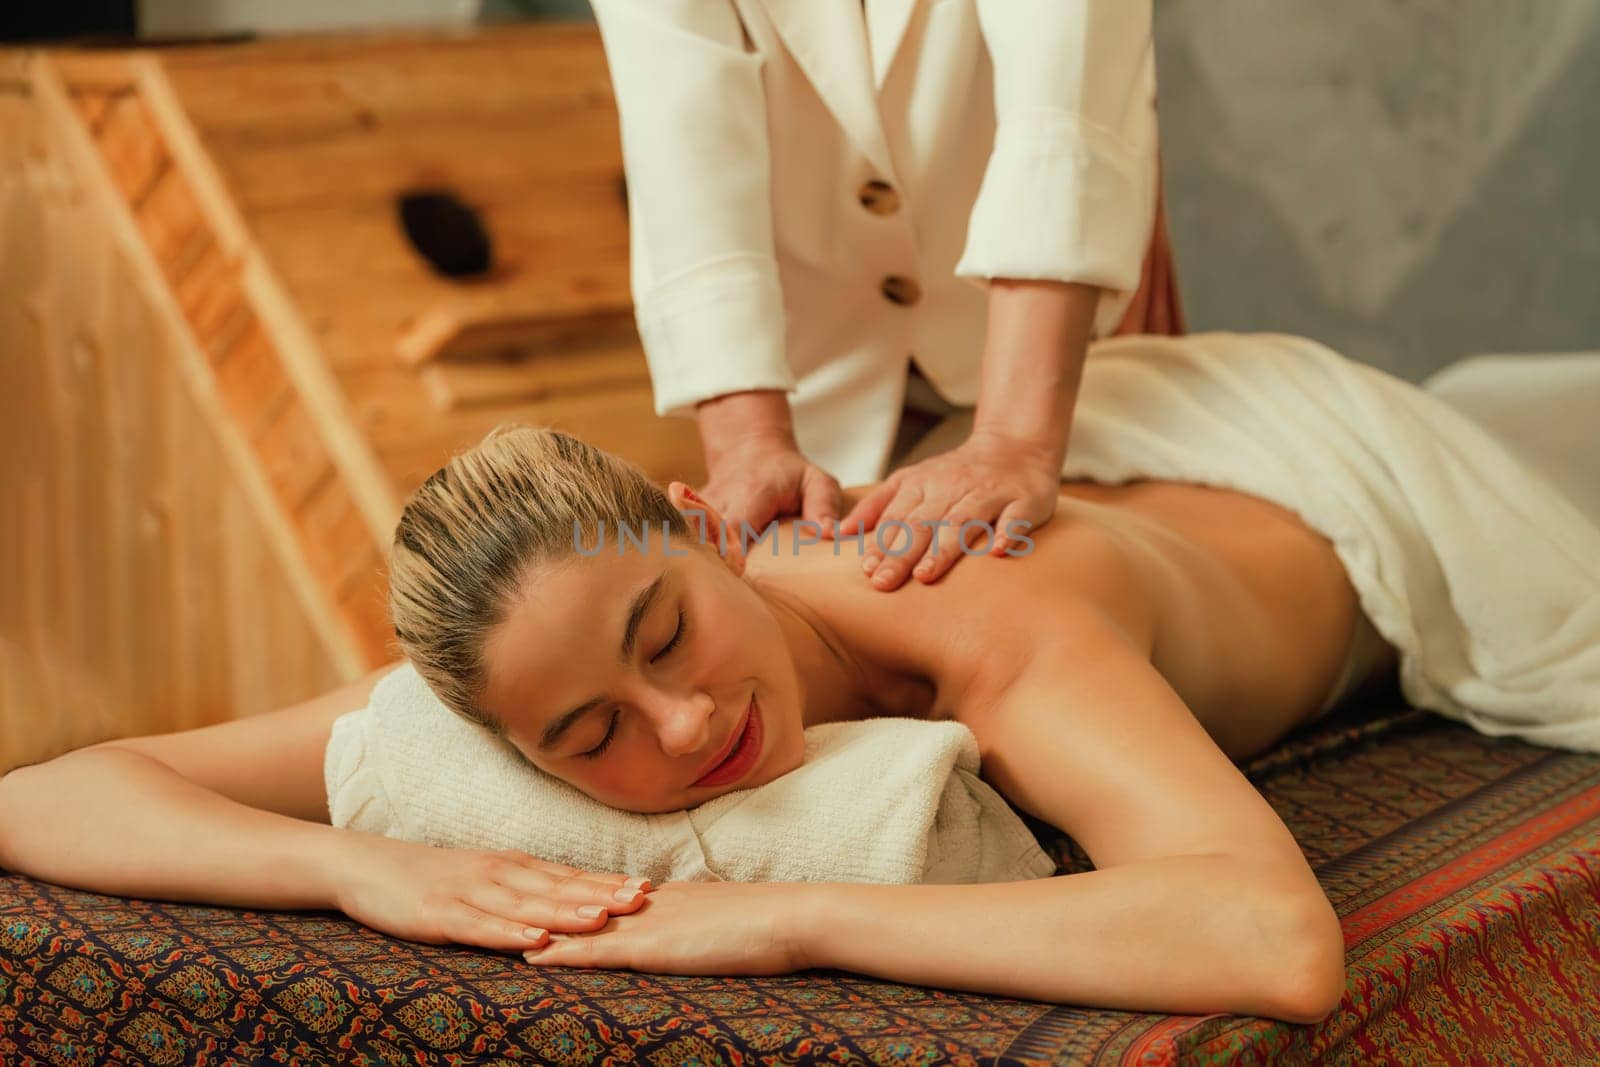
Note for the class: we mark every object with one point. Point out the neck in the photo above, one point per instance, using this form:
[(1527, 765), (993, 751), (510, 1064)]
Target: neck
[(833, 680)]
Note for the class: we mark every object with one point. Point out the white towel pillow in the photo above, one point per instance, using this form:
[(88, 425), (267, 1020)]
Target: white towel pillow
[(881, 800)]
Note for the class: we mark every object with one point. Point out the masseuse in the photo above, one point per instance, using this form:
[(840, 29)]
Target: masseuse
[(850, 219)]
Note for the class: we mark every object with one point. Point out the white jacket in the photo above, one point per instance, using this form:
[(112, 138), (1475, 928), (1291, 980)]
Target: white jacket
[(1010, 138)]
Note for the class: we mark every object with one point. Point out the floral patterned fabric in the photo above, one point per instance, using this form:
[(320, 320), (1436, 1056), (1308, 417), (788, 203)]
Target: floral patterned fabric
[(1467, 871)]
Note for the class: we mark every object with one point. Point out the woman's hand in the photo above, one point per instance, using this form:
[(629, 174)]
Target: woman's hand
[(766, 480), (696, 928), (1006, 484), (756, 471), (502, 900)]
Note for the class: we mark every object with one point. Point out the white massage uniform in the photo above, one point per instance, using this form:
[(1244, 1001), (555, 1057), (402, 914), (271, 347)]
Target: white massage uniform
[(817, 198)]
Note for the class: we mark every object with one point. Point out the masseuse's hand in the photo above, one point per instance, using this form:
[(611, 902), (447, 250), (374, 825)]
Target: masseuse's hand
[(1007, 485), (501, 900), (699, 928), (756, 472)]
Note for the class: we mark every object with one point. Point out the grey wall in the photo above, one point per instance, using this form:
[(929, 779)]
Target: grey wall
[(1409, 181)]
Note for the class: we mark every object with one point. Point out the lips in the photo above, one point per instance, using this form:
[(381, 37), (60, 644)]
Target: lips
[(744, 748)]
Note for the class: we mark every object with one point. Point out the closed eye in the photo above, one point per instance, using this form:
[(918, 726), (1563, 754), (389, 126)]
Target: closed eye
[(666, 649), (677, 636), (605, 742)]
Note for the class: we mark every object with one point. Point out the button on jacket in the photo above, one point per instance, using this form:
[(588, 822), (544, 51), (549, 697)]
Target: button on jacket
[(818, 195)]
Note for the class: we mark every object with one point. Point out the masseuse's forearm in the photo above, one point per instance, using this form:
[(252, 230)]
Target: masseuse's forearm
[(1034, 347), (730, 422), (1184, 934), (72, 821)]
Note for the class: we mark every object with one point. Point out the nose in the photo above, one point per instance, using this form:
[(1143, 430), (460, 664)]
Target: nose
[(683, 722)]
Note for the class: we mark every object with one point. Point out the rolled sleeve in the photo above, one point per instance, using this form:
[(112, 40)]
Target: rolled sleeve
[(716, 330), (692, 112), (1067, 191)]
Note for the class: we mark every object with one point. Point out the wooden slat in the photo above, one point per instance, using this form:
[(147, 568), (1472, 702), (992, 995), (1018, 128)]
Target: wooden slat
[(94, 71), (502, 75), (617, 420), (294, 458), (316, 387), (364, 604), (172, 224), (252, 384), (344, 548), (498, 326), (95, 105), (134, 152), (537, 378)]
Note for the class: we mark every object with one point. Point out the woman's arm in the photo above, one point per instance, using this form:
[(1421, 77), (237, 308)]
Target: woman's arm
[(236, 814), (1202, 901), (224, 814), (1033, 352), (1189, 934)]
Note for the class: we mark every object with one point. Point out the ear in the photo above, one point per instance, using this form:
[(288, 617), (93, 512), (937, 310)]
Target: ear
[(709, 525)]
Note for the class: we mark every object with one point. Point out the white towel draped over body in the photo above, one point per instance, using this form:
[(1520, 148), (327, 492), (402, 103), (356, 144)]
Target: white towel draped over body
[(1472, 565), (881, 800)]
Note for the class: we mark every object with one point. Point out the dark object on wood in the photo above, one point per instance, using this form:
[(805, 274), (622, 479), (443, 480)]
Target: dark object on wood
[(446, 232), (57, 22)]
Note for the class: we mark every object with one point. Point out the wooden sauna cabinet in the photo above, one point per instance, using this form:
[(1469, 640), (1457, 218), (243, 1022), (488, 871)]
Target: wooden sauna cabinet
[(224, 364)]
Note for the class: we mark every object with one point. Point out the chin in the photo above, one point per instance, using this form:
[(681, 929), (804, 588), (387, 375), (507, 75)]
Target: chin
[(652, 807), (781, 763)]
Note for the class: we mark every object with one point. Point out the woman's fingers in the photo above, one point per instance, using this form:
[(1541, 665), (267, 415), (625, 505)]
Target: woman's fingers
[(891, 534), (957, 539), (607, 950), (536, 910), (517, 900), (1014, 513), (864, 516), (471, 925), (820, 498), (572, 885), (909, 539)]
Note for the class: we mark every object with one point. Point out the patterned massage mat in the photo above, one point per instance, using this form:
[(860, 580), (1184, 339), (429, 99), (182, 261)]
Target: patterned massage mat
[(1467, 871)]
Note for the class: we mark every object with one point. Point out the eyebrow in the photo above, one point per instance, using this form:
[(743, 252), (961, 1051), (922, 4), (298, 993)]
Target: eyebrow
[(630, 632)]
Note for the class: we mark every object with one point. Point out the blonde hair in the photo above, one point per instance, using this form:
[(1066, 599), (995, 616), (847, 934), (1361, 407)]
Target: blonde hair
[(468, 535)]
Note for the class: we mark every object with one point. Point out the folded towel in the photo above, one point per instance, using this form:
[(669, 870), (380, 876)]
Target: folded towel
[(1485, 578), (880, 800)]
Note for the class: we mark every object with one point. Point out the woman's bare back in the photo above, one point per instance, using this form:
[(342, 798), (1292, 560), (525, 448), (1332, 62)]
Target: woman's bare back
[(1242, 608)]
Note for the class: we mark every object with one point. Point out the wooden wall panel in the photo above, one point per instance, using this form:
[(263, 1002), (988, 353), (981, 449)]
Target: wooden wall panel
[(137, 592), (223, 365)]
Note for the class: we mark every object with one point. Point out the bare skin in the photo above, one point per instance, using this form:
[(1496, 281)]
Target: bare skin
[(1243, 609), (1155, 633)]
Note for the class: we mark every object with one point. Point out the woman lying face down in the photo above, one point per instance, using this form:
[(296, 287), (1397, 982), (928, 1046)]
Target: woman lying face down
[(664, 672), (1153, 631)]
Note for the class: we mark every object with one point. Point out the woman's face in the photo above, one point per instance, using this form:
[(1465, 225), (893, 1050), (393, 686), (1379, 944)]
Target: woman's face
[(651, 680)]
